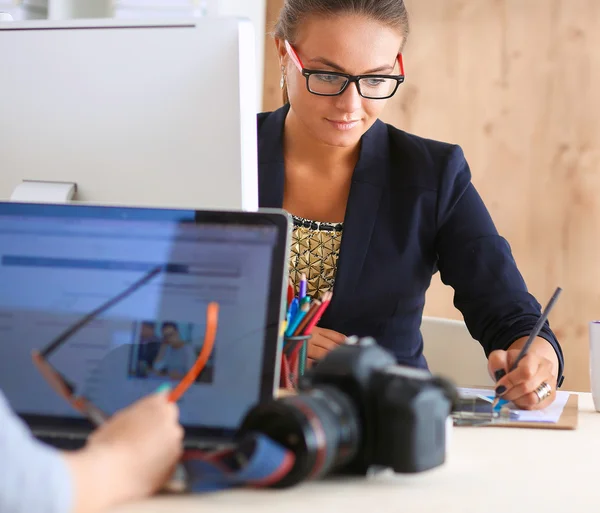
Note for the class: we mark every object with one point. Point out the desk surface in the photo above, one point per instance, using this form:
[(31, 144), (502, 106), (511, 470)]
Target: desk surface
[(491, 469)]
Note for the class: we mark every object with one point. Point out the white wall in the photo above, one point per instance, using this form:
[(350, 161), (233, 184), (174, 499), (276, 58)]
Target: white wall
[(255, 10), (25, 9)]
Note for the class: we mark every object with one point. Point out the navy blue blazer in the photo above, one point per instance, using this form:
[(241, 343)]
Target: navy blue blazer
[(412, 211)]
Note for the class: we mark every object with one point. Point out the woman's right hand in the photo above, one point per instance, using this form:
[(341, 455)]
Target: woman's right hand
[(321, 342)]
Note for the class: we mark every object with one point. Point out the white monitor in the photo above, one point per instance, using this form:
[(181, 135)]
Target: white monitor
[(145, 113)]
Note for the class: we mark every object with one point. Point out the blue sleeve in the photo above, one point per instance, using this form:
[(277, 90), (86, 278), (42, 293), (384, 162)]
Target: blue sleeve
[(33, 476), (478, 264)]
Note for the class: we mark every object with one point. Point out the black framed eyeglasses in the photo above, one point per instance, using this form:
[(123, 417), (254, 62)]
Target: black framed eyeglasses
[(334, 83)]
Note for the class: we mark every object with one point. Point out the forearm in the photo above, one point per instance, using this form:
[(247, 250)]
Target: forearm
[(33, 477), (98, 483), (502, 325)]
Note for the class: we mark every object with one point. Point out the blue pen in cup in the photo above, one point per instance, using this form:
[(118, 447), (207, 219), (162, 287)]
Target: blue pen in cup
[(295, 322), (294, 307)]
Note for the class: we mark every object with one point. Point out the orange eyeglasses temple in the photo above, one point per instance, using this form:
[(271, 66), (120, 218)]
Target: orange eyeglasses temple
[(212, 322)]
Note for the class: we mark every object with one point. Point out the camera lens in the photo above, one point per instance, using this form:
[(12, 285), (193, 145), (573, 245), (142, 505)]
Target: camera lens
[(321, 427)]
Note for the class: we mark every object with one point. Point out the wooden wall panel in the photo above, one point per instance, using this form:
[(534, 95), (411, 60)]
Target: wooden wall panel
[(517, 84)]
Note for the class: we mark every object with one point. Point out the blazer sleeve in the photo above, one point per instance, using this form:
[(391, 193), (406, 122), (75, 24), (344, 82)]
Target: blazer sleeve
[(478, 264)]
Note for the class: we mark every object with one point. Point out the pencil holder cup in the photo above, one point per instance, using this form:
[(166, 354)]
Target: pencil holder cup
[(293, 361)]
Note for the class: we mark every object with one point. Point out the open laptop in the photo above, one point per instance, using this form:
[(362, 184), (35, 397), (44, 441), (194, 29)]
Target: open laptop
[(60, 262)]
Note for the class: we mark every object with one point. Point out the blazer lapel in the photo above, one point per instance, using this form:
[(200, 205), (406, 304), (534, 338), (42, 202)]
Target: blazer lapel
[(271, 168), (368, 181)]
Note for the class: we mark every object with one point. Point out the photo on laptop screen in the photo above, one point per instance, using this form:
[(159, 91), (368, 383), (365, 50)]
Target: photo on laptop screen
[(59, 263), (166, 350)]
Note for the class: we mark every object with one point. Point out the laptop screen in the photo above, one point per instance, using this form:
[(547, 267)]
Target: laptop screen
[(59, 263)]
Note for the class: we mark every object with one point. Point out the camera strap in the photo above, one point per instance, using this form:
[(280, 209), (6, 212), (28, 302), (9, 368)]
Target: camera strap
[(254, 461)]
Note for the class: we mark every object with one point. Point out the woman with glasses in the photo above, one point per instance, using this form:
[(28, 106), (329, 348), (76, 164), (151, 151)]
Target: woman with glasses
[(378, 211)]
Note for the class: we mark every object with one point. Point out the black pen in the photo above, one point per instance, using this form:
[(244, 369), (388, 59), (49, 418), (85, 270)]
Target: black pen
[(533, 335)]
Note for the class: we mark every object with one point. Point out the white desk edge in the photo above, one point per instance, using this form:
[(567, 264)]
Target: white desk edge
[(496, 469)]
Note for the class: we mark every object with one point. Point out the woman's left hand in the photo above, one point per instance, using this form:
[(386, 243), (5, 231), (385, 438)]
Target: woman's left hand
[(539, 366)]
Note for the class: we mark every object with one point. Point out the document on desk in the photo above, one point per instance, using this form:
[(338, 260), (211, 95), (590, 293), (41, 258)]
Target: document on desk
[(551, 414)]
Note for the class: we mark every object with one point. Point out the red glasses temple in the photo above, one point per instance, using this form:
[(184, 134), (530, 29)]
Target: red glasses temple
[(296, 60)]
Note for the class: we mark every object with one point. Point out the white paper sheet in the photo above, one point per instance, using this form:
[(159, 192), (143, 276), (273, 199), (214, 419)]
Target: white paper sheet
[(550, 414)]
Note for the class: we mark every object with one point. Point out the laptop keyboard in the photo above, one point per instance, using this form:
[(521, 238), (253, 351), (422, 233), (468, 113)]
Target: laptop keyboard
[(63, 443), (73, 443)]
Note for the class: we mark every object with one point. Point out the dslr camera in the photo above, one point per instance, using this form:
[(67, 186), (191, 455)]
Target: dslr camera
[(358, 411)]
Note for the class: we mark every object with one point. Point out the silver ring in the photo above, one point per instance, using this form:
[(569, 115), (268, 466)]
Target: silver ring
[(543, 391)]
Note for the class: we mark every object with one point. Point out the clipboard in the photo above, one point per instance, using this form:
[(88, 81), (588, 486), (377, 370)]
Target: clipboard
[(569, 418)]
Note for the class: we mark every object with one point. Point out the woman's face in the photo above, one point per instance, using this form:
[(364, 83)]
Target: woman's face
[(349, 44)]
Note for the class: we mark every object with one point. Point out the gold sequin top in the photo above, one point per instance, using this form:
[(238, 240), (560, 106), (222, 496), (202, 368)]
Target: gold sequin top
[(315, 251)]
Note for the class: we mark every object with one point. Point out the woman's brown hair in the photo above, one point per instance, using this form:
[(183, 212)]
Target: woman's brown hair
[(389, 12)]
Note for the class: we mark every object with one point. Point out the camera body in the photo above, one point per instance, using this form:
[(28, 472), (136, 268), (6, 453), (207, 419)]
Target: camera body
[(403, 411), (358, 410)]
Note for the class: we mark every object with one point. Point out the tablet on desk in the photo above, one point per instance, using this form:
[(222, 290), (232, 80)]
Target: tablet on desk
[(58, 263)]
